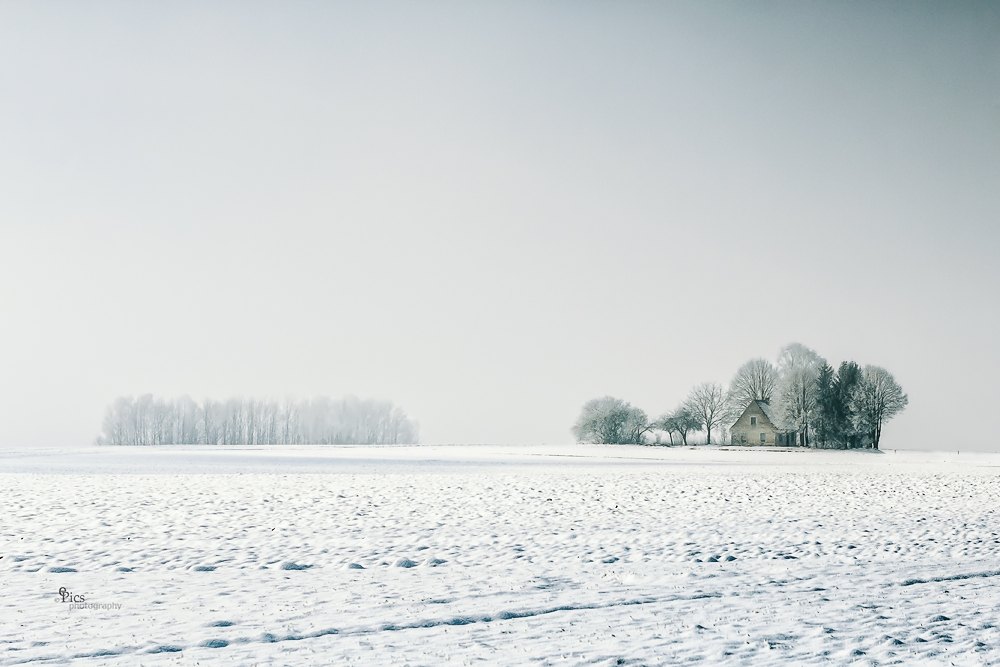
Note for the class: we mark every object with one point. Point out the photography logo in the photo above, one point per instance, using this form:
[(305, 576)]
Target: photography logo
[(80, 601)]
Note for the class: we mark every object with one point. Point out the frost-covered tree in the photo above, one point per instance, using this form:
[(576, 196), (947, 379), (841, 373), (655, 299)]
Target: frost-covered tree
[(840, 408), (638, 426), (826, 423), (682, 421), (754, 381), (877, 399), (184, 421), (288, 416), (250, 421), (116, 427), (846, 386), (610, 420), (798, 370), (708, 402), (834, 423), (840, 417)]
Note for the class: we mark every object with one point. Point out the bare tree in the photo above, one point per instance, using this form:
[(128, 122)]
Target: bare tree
[(877, 399), (638, 425), (665, 423), (708, 402), (755, 380), (141, 419), (289, 422), (238, 421), (116, 429), (682, 421)]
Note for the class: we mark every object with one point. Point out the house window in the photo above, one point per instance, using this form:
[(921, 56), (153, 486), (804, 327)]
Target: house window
[(763, 437), (753, 421)]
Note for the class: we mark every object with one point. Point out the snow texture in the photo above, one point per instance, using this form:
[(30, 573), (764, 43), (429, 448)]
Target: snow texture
[(585, 555)]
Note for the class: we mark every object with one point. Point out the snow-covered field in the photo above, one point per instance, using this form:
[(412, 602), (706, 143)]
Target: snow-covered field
[(498, 555)]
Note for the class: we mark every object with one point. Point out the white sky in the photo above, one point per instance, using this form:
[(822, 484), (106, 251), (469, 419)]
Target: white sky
[(491, 213)]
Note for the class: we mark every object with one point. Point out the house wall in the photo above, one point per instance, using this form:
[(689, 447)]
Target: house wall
[(745, 433)]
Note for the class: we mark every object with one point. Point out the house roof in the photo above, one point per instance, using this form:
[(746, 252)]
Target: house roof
[(764, 407)]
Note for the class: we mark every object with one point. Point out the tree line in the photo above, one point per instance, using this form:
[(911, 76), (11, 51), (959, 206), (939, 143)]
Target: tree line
[(823, 407), (249, 421)]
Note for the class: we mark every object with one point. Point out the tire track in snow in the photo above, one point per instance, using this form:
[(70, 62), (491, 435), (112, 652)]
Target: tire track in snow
[(269, 638), (956, 577)]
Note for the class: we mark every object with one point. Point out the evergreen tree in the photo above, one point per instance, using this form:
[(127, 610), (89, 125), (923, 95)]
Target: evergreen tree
[(846, 387), (826, 421)]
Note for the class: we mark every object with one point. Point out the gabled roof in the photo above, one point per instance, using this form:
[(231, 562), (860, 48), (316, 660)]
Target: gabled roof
[(764, 407)]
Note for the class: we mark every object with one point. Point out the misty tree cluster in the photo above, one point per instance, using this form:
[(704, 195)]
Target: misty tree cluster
[(247, 421), (815, 404)]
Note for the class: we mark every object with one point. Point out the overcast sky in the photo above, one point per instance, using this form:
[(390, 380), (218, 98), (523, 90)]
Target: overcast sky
[(490, 213)]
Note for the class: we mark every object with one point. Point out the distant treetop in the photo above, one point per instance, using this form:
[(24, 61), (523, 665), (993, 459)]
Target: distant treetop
[(239, 421)]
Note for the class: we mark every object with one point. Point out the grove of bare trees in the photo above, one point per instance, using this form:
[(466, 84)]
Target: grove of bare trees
[(708, 402), (681, 421), (248, 421)]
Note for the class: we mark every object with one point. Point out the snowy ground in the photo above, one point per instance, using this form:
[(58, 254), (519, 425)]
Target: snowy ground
[(499, 555)]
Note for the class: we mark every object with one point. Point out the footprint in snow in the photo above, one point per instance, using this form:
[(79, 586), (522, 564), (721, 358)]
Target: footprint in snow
[(294, 566), (405, 562), (165, 648), (434, 562), (355, 566)]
